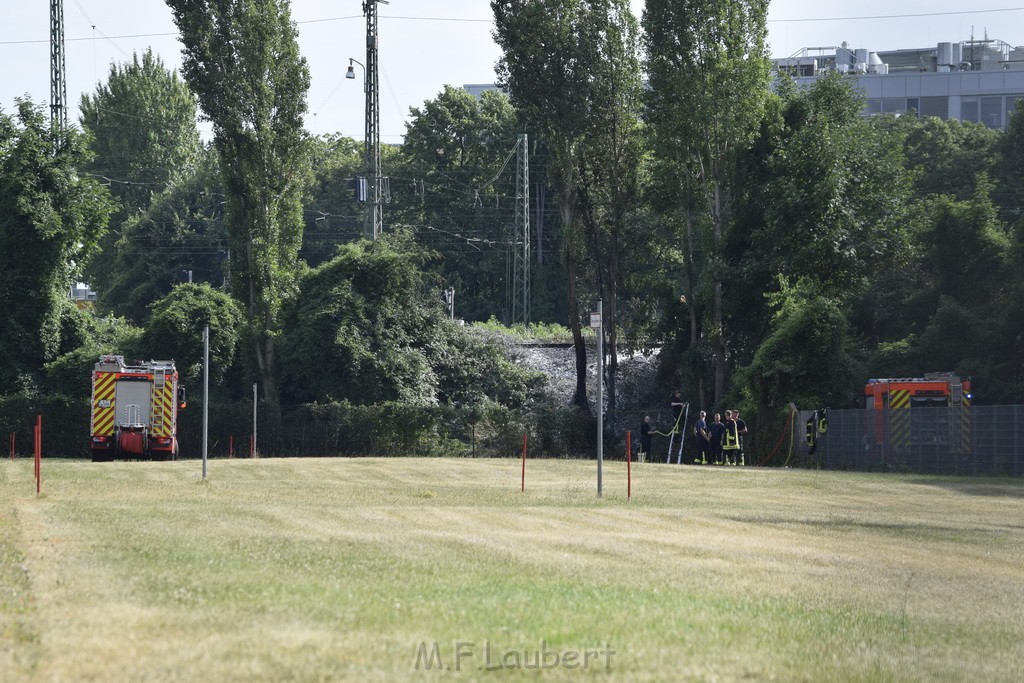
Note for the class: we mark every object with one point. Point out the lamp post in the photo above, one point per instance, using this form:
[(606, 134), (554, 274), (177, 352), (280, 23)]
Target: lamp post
[(371, 156), (371, 87)]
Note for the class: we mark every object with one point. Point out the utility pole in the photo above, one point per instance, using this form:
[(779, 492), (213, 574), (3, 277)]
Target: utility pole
[(58, 83), (521, 235), (374, 217)]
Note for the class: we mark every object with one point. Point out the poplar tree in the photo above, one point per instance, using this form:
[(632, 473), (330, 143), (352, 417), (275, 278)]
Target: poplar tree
[(709, 76), (556, 66), (241, 58)]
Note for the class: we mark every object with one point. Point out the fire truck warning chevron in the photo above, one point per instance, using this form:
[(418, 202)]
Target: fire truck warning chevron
[(135, 409)]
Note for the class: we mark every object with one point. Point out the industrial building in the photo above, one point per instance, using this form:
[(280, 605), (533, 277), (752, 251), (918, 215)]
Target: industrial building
[(974, 80)]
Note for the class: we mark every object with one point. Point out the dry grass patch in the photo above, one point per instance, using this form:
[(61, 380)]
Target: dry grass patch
[(338, 569)]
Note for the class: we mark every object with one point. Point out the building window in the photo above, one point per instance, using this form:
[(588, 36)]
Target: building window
[(992, 112), (969, 109), (935, 106), (873, 107), (892, 105)]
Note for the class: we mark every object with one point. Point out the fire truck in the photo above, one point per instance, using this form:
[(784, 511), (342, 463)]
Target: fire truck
[(948, 426), (135, 409)]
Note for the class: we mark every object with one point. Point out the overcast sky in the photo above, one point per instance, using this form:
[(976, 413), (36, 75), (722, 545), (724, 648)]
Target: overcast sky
[(425, 44)]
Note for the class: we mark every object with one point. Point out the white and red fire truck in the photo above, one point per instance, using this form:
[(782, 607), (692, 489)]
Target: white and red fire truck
[(135, 409)]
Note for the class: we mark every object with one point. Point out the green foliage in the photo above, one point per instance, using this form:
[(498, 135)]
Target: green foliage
[(709, 76), (368, 328), (86, 337), (965, 246), (175, 332), (1010, 168), (946, 157), (353, 332), (332, 213), (835, 193), (51, 219), (538, 332), (65, 421), (181, 230), (958, 338), (458, 148), (807, 357), (470, 369), (570, 67), (142, 127), (142, 123), (242, 60)]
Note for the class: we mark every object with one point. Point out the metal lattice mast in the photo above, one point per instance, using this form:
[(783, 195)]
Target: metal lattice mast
[(58, 84), (521, 239), (374, 217)]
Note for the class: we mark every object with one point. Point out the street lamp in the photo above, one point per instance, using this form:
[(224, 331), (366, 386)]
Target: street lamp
[(351, 73)]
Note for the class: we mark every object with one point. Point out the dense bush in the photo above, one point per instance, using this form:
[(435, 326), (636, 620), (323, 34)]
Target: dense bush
[(368, 327)]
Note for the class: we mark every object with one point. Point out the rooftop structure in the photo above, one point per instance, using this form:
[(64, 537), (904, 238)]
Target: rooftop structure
[(973, 80)]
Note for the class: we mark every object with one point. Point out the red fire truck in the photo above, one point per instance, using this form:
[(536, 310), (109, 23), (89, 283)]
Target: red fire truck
[(135, 409), (907, 428)]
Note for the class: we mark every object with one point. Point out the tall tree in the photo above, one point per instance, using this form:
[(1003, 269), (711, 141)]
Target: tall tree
[(834, 196), (51, 219), (609, 166), (551, 52), (181, 232), (241, 58), (144, 136), (458, 149), (1010, 168), (709, 75)]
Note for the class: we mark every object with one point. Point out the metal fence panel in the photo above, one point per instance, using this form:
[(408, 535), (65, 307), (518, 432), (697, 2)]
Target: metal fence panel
[(977, 440)]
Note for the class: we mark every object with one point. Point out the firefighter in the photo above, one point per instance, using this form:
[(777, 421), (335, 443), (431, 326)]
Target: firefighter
[(700, 431), (677, 411), (645, 437), (716, 431), (741, 429), (731, 444)]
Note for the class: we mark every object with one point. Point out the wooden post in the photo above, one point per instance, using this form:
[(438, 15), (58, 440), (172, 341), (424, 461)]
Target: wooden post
[(231, 446), (39, 452), (629, 469), (13, 440)]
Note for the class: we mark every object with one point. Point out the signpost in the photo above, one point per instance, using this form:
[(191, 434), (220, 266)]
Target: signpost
[(597, 324)]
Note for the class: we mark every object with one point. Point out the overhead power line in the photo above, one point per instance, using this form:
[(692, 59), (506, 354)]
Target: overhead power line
[(306, 21), (897, 16)]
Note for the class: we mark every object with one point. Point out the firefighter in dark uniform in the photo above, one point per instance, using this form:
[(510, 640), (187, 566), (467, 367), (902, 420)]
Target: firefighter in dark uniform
[(645, 437), (741, 429), (731, 443)]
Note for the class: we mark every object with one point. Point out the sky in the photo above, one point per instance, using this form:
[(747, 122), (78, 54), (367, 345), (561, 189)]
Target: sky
[(425, 44)]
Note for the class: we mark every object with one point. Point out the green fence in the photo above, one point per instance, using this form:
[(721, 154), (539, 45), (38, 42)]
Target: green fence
[(335, 429)]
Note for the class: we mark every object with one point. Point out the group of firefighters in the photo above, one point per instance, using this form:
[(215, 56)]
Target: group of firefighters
[(717, 443)]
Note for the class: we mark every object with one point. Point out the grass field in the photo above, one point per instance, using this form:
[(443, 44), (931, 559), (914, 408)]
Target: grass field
[(340, 569)]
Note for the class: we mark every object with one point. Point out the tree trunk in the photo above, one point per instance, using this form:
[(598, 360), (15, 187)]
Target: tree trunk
[(691, 277), (580, 396), (540, 192), (564, 173), (717, 303)]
